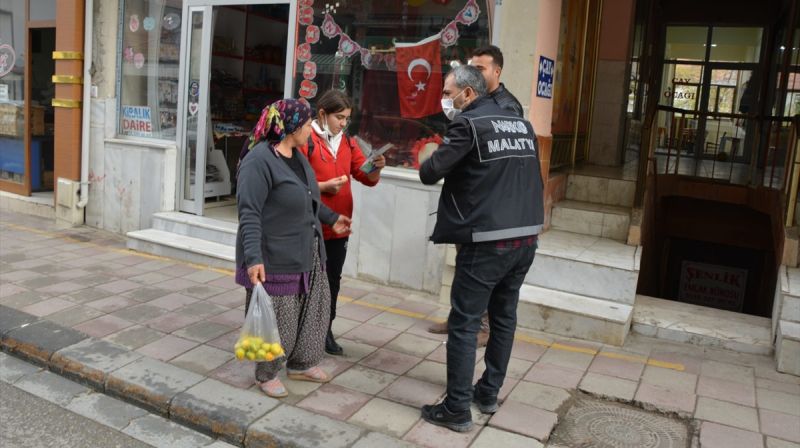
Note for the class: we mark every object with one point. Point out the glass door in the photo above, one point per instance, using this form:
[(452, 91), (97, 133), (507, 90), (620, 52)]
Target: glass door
[(194, 129)]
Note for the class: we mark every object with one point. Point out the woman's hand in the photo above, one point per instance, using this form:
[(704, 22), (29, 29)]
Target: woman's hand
[(379, 163), (332, 186), (257, 274), (342, 224)]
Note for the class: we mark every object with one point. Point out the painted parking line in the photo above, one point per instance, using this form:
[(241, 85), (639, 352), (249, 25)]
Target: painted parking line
[(389, 309)]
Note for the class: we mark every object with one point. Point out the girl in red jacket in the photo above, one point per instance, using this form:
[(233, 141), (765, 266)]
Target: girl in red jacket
[(335, 157)]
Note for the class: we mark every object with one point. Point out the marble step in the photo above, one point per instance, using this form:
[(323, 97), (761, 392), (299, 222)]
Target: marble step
[(586, 265), (573, 315), (588, 218), (600, 190), (207, 229), (182, 247), (707, 327), (787, 346)]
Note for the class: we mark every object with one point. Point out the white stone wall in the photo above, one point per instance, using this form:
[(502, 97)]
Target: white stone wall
[(391, 225)]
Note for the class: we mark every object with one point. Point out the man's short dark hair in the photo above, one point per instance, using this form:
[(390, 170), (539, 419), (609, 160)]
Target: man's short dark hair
[(469, 76), (490, 50)]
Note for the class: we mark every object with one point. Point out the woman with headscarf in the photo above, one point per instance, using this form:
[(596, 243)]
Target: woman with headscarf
[(279, 241)]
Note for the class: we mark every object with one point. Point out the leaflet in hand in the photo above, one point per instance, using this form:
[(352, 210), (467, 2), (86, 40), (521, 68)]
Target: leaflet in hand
[(368, 166)]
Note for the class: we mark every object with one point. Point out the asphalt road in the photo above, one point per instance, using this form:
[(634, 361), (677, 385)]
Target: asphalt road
[(27, 421)]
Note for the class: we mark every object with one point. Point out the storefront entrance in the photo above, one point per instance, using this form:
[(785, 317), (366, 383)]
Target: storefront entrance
[(233, 65)]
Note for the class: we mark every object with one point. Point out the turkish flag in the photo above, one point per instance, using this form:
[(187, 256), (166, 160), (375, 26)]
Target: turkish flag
[(419, 77)]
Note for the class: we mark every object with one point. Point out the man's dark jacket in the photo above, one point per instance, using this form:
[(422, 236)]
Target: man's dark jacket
[(506, 100), (492, 191)]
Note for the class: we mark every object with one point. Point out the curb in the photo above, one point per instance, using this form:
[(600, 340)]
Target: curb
[(209, 406)]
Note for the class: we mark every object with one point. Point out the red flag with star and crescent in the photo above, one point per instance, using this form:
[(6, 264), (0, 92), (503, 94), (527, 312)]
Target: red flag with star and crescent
[(419, 77)]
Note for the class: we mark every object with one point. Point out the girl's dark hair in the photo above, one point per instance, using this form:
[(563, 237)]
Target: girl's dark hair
[(334, 101)]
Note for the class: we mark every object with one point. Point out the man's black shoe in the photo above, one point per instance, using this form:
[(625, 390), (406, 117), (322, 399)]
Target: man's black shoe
[(438, 414), (486, 404), (331, 347)]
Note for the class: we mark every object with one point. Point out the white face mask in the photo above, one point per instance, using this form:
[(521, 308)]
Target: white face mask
[(449, 109), (328, 133)]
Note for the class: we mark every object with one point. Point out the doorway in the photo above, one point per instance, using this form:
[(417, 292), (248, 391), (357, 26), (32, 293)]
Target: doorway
[(235, 63), (42, 116)]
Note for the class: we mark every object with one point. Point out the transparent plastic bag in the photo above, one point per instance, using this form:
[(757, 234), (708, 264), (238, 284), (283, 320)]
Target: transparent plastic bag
[(259, 339)]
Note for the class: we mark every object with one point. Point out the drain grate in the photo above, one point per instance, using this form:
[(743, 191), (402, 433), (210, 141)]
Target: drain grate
[(601, 424)]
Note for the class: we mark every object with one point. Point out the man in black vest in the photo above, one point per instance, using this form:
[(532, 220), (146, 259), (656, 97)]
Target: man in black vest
[(491, 207), (489, 60)]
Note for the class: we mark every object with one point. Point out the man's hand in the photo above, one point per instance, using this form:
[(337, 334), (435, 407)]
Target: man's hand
[(257, 274), (342, 224), (332, 186)]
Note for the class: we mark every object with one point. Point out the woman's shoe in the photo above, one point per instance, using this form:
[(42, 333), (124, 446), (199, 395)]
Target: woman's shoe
[(314, 374), (331, 347), (273, 388)]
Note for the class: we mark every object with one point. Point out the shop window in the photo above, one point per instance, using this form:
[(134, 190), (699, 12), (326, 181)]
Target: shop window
[(148, 67), (370, 75), (12, 91)]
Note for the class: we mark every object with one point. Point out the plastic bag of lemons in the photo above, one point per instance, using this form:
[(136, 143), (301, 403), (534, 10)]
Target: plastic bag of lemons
[(259, 339)]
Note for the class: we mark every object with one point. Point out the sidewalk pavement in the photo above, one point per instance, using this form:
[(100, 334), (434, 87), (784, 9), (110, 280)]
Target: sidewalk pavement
[(159, 333)]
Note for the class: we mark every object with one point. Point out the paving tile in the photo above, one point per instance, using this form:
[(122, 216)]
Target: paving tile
[(670, 379), (540, 396), (62, 287), (523, 419), (768, 372), (429, 371), (386, 416), (226, 341), (364, 379), (416, 307), (729, 414), (19, 275), (778, 386), (605, 386), (232, 318), (412, 345), (382, 297), (202, 292), (777, 443), (413, 392), (353, 293), (12, 368), (204, 310), (494, 438), (149, 278), (229, 298), (51, 387), (203, 359), (423, 434), (725, 390), (146, 294), (780, 425), (440, 354), (204, 276), (106, 410), (691, 364), (237, 373), (111, 304), (103, 326), (334, 365), (135, 337), (140, 313), (553, 375), (392, 321), (726, 371), (420, 328), (356, 312), (713, 435), (22, 299), (620, 368), (88, 295), (167, 347), (176, 284), (779, 401), (666, 400), (342, 325), (295, 427), (390, 361), (355, 351), (158, 431), (564, 358), (48, 306), (527, 351), (203, 331), (119, 286), (371, 334), (73, 316), (334, 401), (172, 301), (170, 322), (298, 390), (226, 282)]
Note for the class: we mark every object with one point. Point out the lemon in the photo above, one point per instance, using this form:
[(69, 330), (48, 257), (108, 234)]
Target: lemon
[(269, 357), (251, 356), (256, 341), (266, 346), (261, 354), (239, 353), (276, 349), (245, 344)]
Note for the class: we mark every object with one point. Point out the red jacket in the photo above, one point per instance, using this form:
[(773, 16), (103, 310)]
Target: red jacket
[(348, 161)]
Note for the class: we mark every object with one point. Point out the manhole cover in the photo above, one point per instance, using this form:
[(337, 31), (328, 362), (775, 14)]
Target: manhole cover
[(600, 424)]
